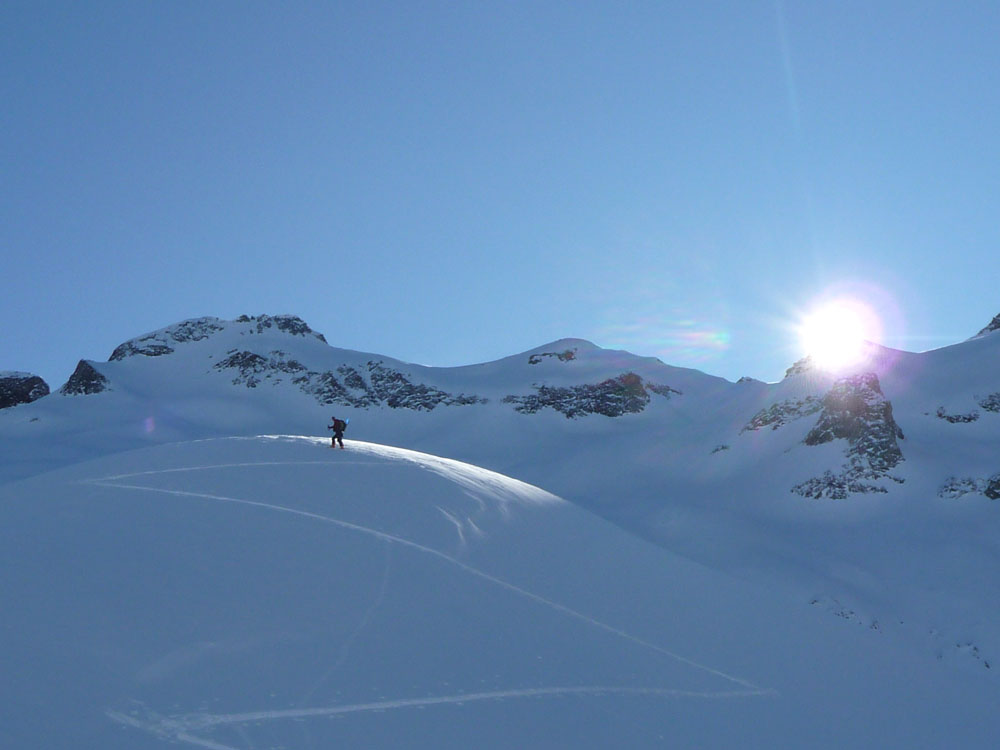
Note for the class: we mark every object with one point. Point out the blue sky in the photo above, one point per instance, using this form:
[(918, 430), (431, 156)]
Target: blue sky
[(448, 183)]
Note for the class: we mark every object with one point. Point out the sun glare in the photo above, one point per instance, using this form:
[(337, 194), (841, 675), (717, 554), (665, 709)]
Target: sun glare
[(835, 334)]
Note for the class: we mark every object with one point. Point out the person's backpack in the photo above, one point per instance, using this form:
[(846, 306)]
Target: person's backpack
[(339, 425)]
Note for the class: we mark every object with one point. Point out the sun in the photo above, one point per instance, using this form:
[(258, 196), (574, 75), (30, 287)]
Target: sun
[(835, 334)]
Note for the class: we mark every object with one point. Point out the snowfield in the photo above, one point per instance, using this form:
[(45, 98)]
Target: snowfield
[(271, 592), (568, 547)]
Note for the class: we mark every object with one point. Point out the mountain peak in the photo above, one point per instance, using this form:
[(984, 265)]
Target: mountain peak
[(994, 325), (20, 388), (164, 341)]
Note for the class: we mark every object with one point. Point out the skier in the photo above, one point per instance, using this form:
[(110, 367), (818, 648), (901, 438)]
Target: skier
[(338, 427)]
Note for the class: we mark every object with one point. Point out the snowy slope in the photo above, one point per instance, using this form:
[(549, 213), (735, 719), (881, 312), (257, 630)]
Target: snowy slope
[(269, 592), (207, 377), (864, 500)]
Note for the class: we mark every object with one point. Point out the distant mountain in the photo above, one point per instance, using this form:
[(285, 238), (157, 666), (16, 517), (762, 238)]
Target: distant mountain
[(866, 495)]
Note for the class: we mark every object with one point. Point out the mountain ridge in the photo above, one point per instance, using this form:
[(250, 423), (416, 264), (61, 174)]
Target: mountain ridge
[(866, 495)]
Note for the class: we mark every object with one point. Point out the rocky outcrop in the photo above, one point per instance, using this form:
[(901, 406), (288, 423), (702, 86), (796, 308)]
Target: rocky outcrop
[(290, 324), (990, 403), (252, 369), (378, 385), (20, 388), (855, 410), (162, 342), (374, 385), (625, 394), (957, 418), (994, 325), (956, 487), (84, 381), (564, 356), (776, 415)]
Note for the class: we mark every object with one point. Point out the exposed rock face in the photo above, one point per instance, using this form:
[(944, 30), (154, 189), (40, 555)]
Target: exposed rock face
[(377, 385), (855, 410), (783, 412), (957, 418), (626, 394), (162, 342), (991, 403), (20, 388), (566, 356), (994, 325), (85, 380), (957, 487), (291, 324)]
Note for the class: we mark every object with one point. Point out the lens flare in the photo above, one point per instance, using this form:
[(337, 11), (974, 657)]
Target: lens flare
[(836, 334)]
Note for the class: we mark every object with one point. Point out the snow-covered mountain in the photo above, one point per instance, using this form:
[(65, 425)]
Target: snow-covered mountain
[(823, 547)]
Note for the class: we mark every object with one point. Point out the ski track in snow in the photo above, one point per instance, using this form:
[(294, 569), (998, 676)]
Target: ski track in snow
[(346, 646), (178, 728)]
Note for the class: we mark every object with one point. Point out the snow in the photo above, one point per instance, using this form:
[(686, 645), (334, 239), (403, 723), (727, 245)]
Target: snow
[(270, 591), (191, 564)]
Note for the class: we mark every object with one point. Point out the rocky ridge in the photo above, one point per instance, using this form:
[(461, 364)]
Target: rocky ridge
[(614, 397), (377, 385), (956, 487), (163, 342), (85, 381), (21, 388), (778, 414), (993, 325), (855, 410)]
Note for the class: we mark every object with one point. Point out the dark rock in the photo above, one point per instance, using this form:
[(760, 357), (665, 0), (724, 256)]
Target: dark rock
[(991, 402), (783, 412), (835, 486), (291, 324), (625, 394), (161, 343), (326, 389), (992, 489), (994, 325), (663, 390), (957, 487), (957, 418), (252, 367), (380, 385), (85, 380), (21, 388), (566, 356), (855, 410), (148, 346), (396, 391)]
